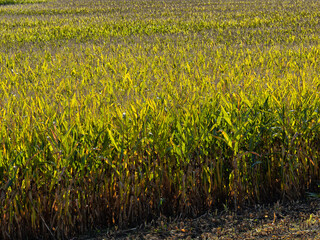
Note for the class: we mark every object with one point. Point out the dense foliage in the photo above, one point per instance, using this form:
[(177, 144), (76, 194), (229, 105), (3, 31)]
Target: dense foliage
[(114, 111)]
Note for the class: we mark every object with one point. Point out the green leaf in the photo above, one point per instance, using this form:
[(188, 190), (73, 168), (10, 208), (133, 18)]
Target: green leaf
[(112, 140), (227, 138), (226, 116)]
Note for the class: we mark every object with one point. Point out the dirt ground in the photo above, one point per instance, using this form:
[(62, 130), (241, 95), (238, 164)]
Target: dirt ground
[(298, 220)]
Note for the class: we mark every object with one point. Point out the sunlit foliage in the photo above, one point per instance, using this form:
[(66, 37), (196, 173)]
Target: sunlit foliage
[(112, 112)]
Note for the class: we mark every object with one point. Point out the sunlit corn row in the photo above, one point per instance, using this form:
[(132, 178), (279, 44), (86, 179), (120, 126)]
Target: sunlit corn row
[(112, 112)]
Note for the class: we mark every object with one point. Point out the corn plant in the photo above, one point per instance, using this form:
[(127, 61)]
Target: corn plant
[(114, 112)]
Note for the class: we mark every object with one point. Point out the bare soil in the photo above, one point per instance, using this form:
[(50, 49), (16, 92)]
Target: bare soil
[(295, 220)]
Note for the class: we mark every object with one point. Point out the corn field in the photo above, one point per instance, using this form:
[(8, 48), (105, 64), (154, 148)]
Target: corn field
[(113, 112)]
